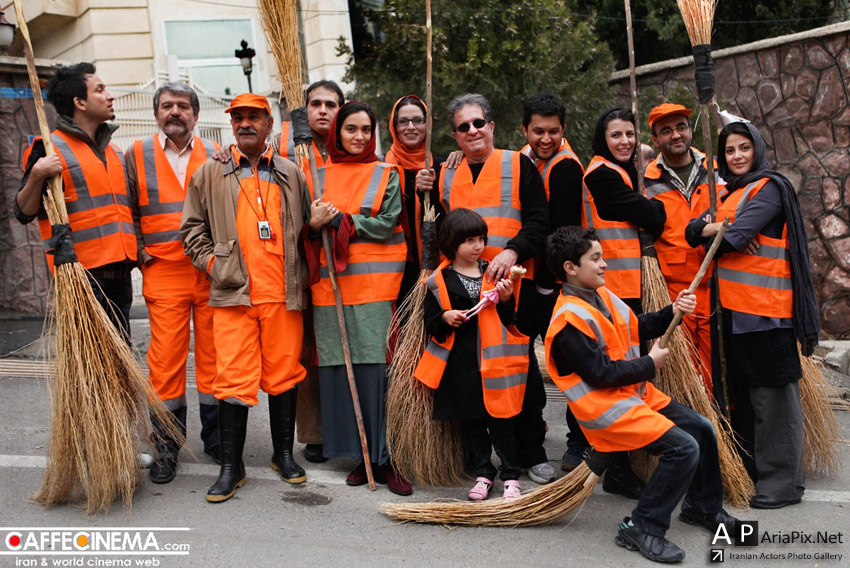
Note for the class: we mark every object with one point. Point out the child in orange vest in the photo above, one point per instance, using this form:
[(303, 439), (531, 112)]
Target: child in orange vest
[(593, 355), (477, 361)]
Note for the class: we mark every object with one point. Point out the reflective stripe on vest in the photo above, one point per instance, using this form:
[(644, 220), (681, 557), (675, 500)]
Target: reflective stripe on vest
[(617, 418), (619, 239), (96, 201), (565, 153), (287, 145), (161, 195), (502, 357), (758, 284), (494, 195), (375, 266)]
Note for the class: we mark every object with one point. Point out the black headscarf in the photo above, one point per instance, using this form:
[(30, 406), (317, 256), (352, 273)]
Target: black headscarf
[(600, 144), (806, 315)]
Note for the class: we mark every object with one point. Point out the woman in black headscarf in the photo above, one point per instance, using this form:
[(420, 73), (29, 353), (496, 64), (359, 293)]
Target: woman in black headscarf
[(765, 287), (613, 200)]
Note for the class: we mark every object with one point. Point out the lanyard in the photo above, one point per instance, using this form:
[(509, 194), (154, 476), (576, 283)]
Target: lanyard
[(260, 212)]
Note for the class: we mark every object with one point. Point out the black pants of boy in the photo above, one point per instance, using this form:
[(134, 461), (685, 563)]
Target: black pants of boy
[(486, 434), (113, 289), (689, 466)]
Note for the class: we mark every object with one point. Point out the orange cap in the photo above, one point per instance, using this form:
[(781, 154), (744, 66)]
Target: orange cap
[(667, 109), (249, 100)]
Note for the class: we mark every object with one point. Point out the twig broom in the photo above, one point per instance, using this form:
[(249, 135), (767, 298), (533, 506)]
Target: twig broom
[(425, 451), (100, 398), (280, 22)]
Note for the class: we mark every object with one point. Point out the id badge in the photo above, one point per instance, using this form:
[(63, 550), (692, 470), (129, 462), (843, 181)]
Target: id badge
[(265, 230)]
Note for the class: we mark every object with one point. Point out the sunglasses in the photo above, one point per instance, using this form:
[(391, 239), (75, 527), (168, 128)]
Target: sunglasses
[(464, 127)]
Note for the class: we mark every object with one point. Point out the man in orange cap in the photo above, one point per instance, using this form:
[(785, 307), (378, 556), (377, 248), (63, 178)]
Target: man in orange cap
[(679, 179), (240, 225), (176, 293)]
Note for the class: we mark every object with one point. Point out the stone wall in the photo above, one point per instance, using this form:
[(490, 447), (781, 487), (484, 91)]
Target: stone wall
[(24, 277), (795, 90)]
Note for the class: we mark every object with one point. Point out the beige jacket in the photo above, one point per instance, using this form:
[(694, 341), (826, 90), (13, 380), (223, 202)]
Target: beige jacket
[(208, 229)]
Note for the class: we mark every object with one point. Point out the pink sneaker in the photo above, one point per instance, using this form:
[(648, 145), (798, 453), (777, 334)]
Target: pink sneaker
[(481, 489), (511, 490)]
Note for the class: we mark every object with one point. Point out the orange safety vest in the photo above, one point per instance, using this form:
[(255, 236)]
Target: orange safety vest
[(760, 283), (618, 418), (374, 268), (287, 148), (619, 239), (96, 199), (679, 262), (494, 196), (161, 195), (502, 357), (565, 152)]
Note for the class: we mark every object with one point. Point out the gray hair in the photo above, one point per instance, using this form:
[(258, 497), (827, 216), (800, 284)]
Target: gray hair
[(473, 99), (176, 88)]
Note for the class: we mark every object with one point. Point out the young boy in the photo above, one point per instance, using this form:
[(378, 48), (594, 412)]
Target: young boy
[(593, 356)]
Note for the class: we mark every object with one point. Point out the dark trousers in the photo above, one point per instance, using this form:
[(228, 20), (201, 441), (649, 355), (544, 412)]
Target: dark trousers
[(530, 426), (486, 434), (113, 289), (689, 467)]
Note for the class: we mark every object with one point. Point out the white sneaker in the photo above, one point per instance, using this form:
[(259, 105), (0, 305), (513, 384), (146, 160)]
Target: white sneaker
[(542, 473), (145, 461)]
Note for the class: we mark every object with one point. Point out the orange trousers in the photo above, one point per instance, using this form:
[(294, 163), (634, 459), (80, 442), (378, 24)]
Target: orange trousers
[(698, 329), (257, 347), (176, 294)]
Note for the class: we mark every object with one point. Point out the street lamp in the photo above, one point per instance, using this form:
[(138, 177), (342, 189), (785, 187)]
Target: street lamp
[(245, 55), (7, 34)]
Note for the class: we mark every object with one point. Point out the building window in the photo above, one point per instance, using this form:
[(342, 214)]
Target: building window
[(212, 64)]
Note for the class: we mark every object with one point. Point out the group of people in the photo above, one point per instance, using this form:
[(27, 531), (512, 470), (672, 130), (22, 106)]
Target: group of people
[(242, 243)]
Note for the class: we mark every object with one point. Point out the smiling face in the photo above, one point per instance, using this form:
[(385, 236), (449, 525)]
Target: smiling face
[(175, 116), (672, 135), (589, 273), (98, 103), (470, 250), (620, 137), (739, 154), (321, 110), (355, 133), (544, 135), (477, 143), (412, 134), (251, 126)]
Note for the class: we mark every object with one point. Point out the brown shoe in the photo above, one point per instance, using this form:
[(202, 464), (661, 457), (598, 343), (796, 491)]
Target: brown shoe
[(395, 482)]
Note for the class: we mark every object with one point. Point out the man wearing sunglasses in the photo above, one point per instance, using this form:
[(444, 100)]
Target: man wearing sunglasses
[(506, 189), (679, 179)]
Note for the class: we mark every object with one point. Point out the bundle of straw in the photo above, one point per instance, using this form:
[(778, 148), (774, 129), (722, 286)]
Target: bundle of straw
[(820, 427), (543, 506), (100, 399), (680, 379)]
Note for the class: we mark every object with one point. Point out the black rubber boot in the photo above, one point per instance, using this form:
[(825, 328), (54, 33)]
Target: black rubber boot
[(164, 468), (232, 424), (282, 425), (209, 429)]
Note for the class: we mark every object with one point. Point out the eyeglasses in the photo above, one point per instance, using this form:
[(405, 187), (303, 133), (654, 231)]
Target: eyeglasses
[(418, 121), (680, 128), (464, 127)]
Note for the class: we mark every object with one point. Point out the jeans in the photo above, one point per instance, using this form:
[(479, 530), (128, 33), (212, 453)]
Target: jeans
[(689, 467), (113, 290), (479, 435)]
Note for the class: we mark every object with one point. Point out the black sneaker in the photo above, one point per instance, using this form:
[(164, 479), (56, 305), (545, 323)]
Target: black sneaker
[(655, 548), (710, 521), (164, 469), (619, 479), (573, 457)]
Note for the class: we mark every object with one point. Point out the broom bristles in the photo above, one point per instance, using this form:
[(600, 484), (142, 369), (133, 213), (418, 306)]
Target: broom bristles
[(280, 23), (820, 427), (698, 16), (543, 506), (680, 380), (100, 403)]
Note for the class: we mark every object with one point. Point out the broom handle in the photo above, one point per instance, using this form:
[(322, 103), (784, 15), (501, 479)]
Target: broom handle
[(677, 316), (54, 200), (428, 76), (633, 86), (709, 159), (343, 334)]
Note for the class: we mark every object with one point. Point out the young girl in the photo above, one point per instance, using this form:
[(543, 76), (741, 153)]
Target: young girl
[(477, 360)]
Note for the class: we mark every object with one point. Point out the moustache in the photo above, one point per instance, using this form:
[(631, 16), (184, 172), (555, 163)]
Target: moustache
[(246, 131)]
